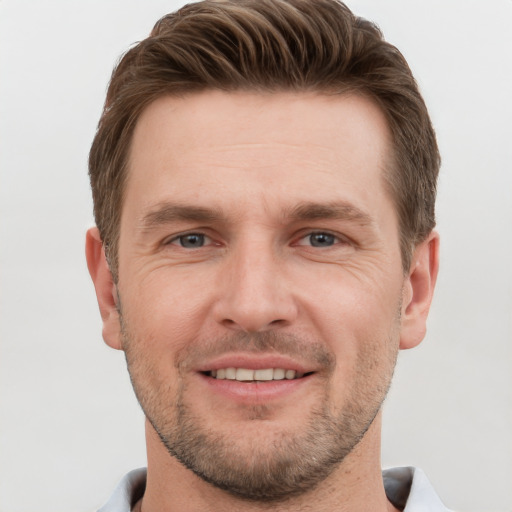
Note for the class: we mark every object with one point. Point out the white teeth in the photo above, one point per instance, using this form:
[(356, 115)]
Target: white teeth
[(278, 374), (267, 374), (231, 373), (245, 374)]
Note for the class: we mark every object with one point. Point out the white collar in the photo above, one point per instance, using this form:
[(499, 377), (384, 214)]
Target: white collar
[(405, 487)]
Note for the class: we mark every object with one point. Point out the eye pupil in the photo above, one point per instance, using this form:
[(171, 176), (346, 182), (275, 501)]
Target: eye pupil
[(192, 241), (321, 239)]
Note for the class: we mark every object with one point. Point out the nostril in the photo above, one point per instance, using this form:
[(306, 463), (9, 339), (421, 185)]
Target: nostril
[(253, 325)]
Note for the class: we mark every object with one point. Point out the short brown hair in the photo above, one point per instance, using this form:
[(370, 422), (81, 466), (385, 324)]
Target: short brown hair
[(268, 45)]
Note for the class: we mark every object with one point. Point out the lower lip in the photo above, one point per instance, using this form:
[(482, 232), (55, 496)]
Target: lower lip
[(255, 392)]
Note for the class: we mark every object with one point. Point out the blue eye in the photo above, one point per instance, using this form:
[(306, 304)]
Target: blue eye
[(321, 239), (190, 241)]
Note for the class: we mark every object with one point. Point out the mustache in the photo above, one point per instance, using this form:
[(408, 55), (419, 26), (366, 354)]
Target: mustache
[(266, 342)]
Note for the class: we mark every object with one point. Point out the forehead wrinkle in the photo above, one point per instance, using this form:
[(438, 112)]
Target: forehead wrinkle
[(267, 154)]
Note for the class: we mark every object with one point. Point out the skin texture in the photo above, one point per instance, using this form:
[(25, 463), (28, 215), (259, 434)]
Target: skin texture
[(256, 231)]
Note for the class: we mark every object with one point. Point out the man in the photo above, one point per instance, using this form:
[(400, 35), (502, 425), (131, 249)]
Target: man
[(264, 177)]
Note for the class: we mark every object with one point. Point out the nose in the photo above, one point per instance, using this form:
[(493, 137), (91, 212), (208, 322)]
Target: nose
[(255, 292)]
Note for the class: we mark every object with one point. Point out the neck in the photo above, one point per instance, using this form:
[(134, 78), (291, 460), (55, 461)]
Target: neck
[(355, 485)]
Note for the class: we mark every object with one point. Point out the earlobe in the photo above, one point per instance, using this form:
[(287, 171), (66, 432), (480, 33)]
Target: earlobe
[(418, 291), (106, 292)]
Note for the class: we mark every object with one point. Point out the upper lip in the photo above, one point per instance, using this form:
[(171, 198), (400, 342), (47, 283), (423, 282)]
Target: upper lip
[(255, 362)]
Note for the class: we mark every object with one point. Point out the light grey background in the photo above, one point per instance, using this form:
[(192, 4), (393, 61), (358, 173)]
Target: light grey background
[(70, 426)]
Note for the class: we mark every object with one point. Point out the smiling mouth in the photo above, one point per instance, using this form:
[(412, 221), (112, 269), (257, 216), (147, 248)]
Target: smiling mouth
[(260, 375)]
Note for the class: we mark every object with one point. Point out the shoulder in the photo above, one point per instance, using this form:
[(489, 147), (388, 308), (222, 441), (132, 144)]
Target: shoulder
[(127, 493), (409, 489)]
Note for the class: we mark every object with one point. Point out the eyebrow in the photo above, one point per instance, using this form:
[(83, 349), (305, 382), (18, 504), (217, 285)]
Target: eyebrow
[(167, 212), (306, 211), (337, 210)]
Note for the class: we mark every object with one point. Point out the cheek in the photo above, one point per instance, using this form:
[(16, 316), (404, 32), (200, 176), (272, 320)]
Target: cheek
[(167, 307), (360, 322), (354, 302)]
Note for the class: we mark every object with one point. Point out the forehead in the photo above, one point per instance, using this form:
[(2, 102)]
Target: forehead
[(301, 146)]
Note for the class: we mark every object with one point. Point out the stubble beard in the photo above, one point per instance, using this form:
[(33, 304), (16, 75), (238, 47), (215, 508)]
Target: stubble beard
[(282, 466)]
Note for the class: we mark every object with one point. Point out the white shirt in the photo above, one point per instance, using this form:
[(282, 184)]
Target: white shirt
[(407, 488)]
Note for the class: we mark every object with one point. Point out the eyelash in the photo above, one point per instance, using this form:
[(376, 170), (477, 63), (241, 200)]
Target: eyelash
[(179, 240)]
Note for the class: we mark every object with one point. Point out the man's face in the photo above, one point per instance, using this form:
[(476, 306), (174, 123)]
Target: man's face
[(257, 240)]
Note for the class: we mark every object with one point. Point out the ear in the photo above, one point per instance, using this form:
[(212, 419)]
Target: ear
[(106, 292), (418, 290)]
